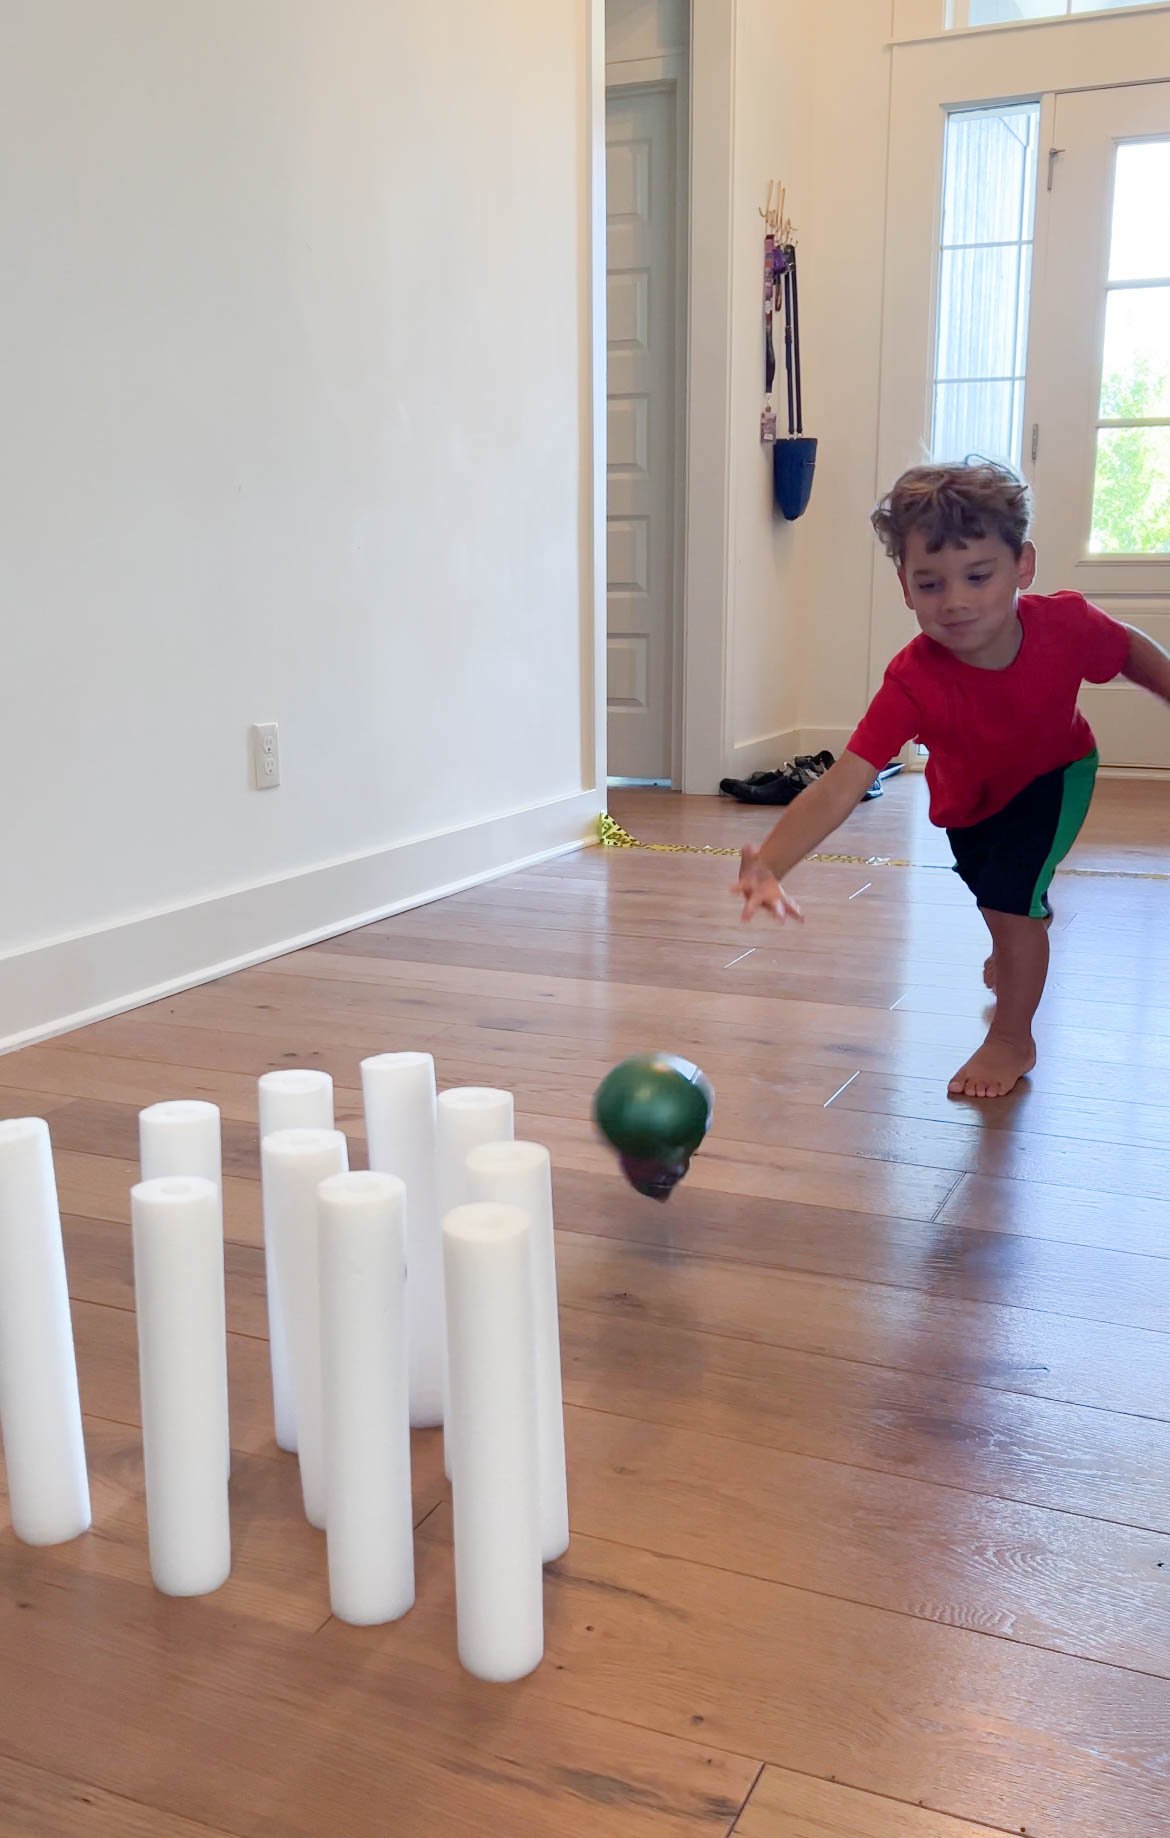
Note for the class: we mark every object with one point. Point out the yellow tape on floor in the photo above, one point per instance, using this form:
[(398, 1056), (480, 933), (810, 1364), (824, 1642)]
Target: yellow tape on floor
[(613, 836)]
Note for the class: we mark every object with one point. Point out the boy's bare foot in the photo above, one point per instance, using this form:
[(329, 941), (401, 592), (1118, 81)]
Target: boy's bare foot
[(995, 1070), (989, 972)]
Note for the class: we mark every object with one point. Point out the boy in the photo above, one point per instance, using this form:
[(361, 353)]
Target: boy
[(990, 688)]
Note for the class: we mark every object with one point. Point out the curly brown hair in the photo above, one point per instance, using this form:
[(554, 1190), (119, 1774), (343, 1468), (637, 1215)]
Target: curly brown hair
[(954, 505)]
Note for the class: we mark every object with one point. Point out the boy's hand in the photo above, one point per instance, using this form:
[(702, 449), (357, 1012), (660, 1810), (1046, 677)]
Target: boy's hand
[(760, 891)]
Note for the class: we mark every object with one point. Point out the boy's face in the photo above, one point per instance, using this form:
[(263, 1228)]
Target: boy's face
[(964, 595)]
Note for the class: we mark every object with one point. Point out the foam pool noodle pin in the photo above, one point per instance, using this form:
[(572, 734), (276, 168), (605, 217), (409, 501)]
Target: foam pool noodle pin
[(654, 1110)]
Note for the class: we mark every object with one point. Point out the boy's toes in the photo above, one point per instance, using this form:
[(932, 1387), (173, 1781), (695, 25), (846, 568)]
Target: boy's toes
[(994, 1071)]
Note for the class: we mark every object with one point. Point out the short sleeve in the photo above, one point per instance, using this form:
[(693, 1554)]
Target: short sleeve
[(1104, 642), (890, 721)]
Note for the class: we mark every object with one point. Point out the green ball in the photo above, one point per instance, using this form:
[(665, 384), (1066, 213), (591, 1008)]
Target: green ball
[(654, 1107)]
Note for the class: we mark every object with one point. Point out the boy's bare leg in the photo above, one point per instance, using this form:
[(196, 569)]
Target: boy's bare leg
[(1019, 963), (989, 966)]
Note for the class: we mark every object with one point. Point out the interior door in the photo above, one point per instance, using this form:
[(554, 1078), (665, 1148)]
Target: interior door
[(641, 161), (1099, 388)]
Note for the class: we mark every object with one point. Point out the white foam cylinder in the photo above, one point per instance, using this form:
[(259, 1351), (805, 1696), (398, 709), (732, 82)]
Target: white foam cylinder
[(520, 1174), (178, 1288), (293, 1165), (398, 1090), (492, 1425), (184, 1136), (468, 1115), (366, 1397), (40, 1411), (296, 1098)]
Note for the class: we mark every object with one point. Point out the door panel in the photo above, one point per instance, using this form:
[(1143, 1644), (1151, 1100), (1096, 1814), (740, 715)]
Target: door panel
[(641, 194), (1099, 393)]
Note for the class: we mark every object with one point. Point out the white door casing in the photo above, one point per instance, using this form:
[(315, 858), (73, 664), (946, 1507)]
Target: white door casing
[(1072, 292), (641, 142)]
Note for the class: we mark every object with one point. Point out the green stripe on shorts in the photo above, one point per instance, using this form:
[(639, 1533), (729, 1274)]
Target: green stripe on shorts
[(1079, 779)]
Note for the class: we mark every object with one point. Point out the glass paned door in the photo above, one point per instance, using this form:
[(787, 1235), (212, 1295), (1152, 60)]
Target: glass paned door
[(1098, 403)]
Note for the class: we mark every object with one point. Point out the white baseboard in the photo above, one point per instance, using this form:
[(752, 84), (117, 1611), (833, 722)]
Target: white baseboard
[(816, 740), (773, 749), (762, 754), (68, 982)]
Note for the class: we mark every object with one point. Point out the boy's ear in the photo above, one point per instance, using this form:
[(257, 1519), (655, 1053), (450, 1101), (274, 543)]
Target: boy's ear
[(902, 583), (1026, 566)]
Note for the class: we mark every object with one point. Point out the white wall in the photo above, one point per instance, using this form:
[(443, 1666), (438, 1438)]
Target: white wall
[(762, 656), (297, 428), (811, 108), (840, 207)]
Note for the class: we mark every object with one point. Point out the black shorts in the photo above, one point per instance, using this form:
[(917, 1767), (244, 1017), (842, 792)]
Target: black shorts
[(1008, 860)]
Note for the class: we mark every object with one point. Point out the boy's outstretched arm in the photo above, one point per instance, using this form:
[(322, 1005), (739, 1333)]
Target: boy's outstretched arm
[(815, 814), (1147, 665)]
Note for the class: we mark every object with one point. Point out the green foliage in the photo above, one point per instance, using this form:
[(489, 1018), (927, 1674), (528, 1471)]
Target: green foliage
[(1131, 498)]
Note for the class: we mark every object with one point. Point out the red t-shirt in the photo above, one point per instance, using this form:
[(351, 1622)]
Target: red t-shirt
[(991, 732)]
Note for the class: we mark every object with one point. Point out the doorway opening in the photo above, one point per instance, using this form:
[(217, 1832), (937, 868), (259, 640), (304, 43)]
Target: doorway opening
[(646, 289)]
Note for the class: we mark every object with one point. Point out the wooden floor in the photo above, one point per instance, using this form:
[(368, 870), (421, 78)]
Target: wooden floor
[(869, 1429)]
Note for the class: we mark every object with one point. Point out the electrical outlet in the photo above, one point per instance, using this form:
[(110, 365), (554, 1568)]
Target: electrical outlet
[(266, 755)]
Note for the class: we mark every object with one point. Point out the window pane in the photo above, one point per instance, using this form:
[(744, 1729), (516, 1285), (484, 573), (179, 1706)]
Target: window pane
[(997, 12), (1001, 12), (1140, 248), (1135, 372), (989, 188), (1131, 496), (985, 267), (976, 418), (978, 312)]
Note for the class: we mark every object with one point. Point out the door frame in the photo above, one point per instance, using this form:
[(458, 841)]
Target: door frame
[(668, 76), (1029, 62), (705, 80)]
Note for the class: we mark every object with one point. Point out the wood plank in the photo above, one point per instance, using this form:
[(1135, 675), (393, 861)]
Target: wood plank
[(20, 1100), (1069, 1214), (1039, 1112), (785, 1805), (100, 1265), (107, 1367), (754, 1123), (919, 1712), (980, 1440), (338, 1047), (37, 1804), (278, 1560), (262, 1730), (862, 1481), (1135, 1021), (92, 1126), (1031, 1450), (1012, 1349), (967, 1264), (1045, 1579), (72, 1074), (98, 1187)]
